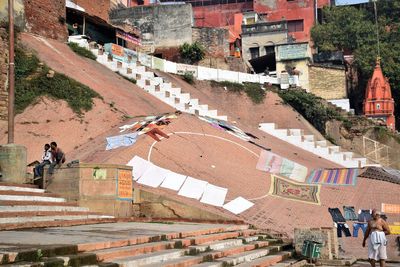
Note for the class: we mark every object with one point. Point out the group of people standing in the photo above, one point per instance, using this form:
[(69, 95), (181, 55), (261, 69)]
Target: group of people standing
[(53, 156)]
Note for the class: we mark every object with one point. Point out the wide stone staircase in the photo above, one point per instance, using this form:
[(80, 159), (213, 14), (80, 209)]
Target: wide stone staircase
[(26, 206), (224, 246)]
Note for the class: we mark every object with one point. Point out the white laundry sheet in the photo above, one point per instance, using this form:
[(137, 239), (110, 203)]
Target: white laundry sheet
[(238, 205), (153, 176), (214, 195), (193, 188), (299, 173), (139, 166), (173, 181)]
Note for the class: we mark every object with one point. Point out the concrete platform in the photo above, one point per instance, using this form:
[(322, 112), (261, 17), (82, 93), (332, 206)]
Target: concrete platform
[(84, 234)]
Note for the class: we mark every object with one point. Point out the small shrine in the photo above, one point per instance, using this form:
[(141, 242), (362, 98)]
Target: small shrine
[(378, 102)]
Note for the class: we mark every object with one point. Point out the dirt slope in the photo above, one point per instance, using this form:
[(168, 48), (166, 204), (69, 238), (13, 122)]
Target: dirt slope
[(50, 120)]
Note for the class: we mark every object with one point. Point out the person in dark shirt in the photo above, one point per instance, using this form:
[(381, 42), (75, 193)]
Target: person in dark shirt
[(58, 157)]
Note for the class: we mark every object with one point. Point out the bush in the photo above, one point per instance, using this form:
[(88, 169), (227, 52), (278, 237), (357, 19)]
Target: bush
[(255, 92), (188, 77), (230, 86), (82, 51), (252, 90), (192, 53), (311, 107), (32, 82)]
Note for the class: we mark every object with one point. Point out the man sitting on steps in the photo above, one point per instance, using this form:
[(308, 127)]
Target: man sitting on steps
[(58, 157)]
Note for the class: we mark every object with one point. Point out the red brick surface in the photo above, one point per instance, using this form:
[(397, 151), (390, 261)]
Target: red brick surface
[(46, 18)]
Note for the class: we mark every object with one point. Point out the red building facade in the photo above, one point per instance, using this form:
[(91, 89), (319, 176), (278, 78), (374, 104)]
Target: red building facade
[(378, 103), (300, 15)]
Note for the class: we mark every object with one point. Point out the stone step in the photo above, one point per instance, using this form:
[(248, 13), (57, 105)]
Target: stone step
[(20, 189), (208, 255), (201, 239), (36, 203), (244, 257), (156, 238), (18, 185), (30, 198), (214, 246), (232, 259), (122, 252), (56, 223), (150, 258), (17, 220), (268, 260), (45, 213), (43, 208), (290, 263), (26, 193)]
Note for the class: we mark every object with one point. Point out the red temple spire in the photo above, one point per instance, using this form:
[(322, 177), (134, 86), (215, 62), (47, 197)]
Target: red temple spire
[(378, 103)]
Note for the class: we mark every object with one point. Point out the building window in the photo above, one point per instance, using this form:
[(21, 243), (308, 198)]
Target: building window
[(254, 52), (269, 49), (295, 25)]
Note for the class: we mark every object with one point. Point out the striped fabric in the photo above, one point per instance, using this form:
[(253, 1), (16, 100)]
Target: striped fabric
[(333, 176)]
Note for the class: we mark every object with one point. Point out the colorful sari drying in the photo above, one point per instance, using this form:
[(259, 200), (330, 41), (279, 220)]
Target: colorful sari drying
[(333, 176)]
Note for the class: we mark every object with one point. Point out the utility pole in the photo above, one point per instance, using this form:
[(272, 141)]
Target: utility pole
[(11, 74), (377, 28)]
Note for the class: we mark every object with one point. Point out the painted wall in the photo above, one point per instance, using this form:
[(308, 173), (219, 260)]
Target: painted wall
[(19, 12), (302, 66), (261, 40), (277, 10), (218, 15), (160, 25)]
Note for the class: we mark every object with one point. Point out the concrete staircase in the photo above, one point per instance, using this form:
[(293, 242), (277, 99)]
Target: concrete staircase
[(309, 143), (26, 206), (157, 86), (227, 246)]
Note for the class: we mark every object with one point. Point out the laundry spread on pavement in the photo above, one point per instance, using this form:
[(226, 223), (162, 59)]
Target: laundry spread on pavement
[(121, 140), (334, 176), (273, 163), (146, 173)]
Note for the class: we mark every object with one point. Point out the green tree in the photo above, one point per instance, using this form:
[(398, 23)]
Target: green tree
[(353, 30), (192, 53)]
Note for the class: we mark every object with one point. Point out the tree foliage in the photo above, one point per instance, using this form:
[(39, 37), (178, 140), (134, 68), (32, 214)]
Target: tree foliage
[(353, 30), (192, 53)]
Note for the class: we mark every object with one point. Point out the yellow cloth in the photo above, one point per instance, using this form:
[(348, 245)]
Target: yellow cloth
[(394, 229)]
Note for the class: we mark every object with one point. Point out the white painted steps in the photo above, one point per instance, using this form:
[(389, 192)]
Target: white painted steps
[(158, 87), (32, 208), (309, 143), (26, 207)]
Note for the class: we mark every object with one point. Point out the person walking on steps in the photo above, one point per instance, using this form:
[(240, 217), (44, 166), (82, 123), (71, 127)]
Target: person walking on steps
[(377, 230)]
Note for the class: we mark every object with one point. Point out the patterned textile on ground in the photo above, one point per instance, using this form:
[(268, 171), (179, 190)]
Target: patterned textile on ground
[(333, 176), (273, 163), (284, 188), (229, 128), (391, 208), (383, 174), (151, 125)]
